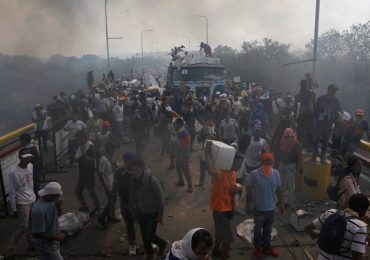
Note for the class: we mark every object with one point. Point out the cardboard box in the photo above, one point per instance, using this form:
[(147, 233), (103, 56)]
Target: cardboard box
[(223, 155)]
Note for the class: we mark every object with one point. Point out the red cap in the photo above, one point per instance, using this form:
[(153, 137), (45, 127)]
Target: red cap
[(267, 159), (360, 112), (106, 124)]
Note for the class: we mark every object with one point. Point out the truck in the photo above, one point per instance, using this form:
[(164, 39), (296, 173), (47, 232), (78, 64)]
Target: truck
[(204, 75)]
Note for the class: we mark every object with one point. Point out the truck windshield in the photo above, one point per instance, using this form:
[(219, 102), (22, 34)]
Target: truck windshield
[(201, 73)]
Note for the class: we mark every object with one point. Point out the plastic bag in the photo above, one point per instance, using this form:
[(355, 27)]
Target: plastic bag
[(245, 230), (73, 221)]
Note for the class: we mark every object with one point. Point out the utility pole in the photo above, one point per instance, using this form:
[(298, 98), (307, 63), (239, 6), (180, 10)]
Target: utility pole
[(106, 32), (316, 36)]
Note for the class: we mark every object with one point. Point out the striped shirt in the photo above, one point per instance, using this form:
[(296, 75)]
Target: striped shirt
[(354, 237)]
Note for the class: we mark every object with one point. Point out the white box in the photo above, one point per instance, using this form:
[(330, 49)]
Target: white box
[(190, 60), (223, 155)]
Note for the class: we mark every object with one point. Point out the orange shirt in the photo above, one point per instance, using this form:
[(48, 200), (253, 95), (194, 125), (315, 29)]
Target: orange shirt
[(222, 199)]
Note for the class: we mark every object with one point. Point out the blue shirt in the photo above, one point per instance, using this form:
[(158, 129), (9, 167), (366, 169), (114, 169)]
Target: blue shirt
[(44, 217), (264, 189)]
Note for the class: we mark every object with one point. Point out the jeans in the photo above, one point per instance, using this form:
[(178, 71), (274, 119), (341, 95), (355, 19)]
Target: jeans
[(42, 137), (182, 168), (263, 221), (90, 186), (304, 129), (103, 217), (48, 250), (202, 169), (148, 228), (287, 173), (22, 224), (321, 132), (129, 221)]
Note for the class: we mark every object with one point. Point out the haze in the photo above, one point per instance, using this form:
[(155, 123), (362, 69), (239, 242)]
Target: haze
[(76, 27)]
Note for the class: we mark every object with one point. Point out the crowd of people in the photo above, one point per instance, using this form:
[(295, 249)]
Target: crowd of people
[(268, 130)]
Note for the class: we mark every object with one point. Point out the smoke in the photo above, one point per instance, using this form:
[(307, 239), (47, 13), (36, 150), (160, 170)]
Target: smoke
[(75, 27)]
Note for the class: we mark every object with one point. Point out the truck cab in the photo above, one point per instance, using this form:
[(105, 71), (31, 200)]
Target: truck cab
[(204, 75)]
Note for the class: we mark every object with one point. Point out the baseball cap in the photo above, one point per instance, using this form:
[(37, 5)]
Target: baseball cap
[(24, 153), (52, 188), (360, 112)]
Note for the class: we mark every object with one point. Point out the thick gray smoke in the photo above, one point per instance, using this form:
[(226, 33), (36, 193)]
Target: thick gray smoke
[(76, 27)]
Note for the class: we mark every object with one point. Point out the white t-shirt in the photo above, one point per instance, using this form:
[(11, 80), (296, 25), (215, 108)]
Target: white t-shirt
[(21, 187), (105, 168), (277, 105), (236, 107), (229, 129), (73, 128), (118, 113), (354, 237), (253, 152)]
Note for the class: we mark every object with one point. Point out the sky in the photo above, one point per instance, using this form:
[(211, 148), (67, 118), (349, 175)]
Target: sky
[(76, 27)]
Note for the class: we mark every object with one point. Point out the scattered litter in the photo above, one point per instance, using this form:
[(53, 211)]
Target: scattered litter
[(245, 230), (121, 239), (170, 215), (299, 219)]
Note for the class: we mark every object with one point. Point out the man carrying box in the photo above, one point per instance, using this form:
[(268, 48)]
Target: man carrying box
[(224, 189)]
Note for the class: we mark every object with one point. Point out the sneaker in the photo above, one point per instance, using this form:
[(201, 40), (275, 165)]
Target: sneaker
[(162, 249), (271, 251), (258, 252), (132, 250), (101, 225), (199, 184)]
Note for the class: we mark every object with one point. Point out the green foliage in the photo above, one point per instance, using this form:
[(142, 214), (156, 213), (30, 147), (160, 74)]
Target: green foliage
[(353, 43)]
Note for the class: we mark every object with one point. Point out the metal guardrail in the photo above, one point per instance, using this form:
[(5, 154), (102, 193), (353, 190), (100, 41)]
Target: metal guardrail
[(10, 145)]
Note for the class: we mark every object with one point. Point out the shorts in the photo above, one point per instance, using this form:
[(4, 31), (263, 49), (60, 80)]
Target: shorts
[(223, 230)]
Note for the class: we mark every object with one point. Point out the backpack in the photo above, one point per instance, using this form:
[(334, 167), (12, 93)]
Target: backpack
[(150, 186), (333, 191), (332, 233)]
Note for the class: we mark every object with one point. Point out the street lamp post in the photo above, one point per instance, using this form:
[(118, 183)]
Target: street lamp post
[(206, 20), (142, 47), (186, 37), (316, 36), (106, 32)]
